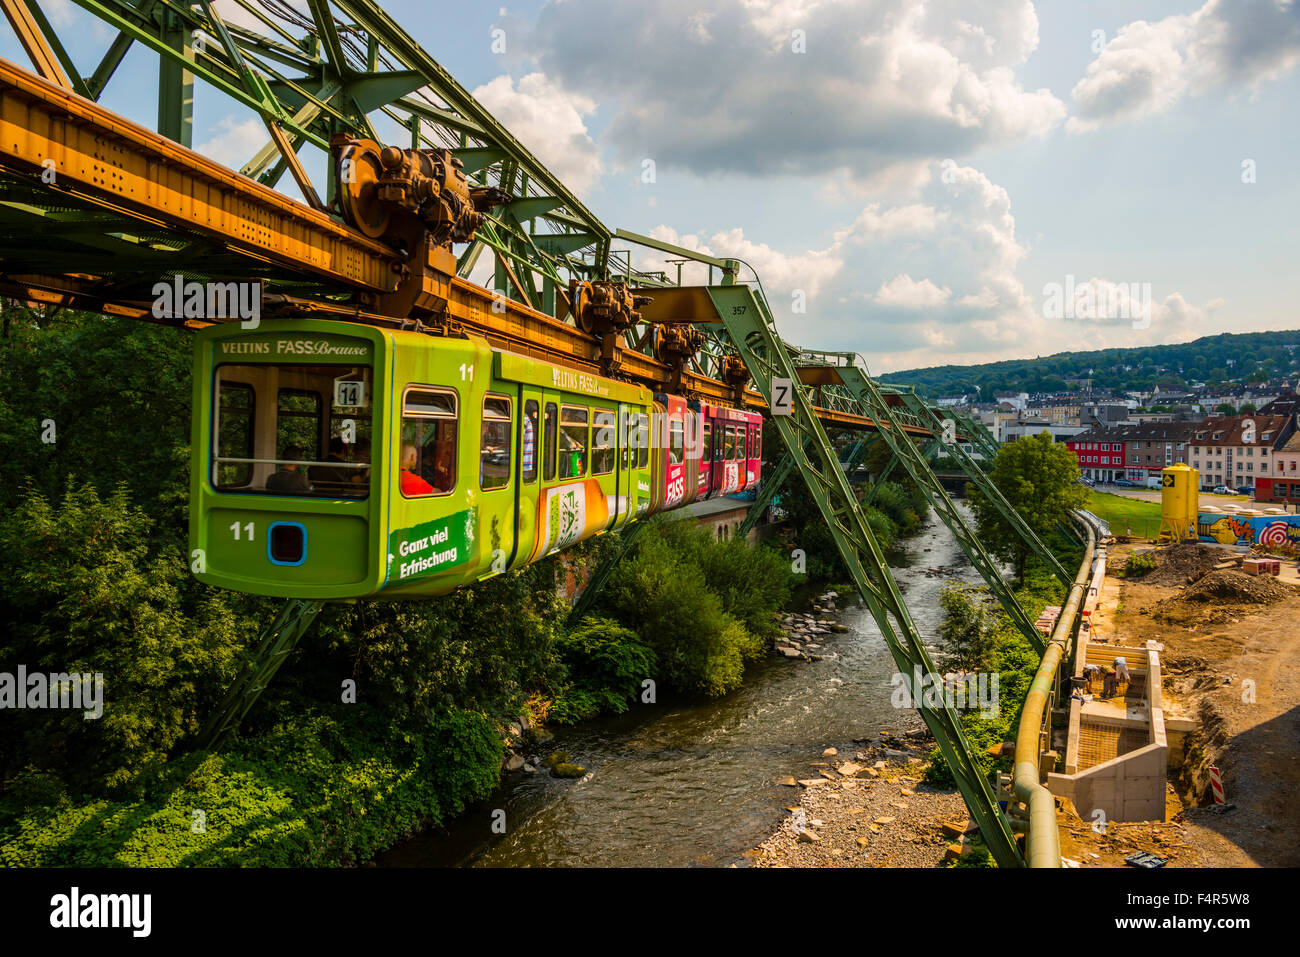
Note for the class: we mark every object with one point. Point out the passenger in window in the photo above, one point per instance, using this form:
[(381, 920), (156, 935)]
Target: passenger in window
[(444, 460), (332, 477), (412, 484), (571, 457), (288, 480), (361, 455)]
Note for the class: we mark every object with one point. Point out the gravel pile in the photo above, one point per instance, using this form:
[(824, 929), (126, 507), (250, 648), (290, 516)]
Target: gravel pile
[(1220, 596), (870, 810)]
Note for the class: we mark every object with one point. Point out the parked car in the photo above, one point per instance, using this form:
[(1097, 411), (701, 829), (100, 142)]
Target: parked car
[(1246, 490), (1223, 490), (1125, 483)]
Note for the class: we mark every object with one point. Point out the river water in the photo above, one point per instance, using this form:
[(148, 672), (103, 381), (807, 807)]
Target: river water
[(692, 783)]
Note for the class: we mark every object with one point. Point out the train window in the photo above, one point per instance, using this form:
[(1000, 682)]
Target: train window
[(729, 444), (320, 446), (643, 442), (676, 441), (573, 442), (548, 431), (234, 440), (528, 450), (494, 447), (427, 462), (707, 457), (758, 444), (349, 429), (297, 422), (603, 442)]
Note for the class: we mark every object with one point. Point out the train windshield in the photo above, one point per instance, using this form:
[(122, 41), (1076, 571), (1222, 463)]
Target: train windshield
[(292, 429)]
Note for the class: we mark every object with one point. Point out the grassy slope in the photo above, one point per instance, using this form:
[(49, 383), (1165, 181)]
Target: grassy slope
[(1123, 512)]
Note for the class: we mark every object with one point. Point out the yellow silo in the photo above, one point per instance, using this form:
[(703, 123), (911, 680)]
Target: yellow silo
[(1179, 502)]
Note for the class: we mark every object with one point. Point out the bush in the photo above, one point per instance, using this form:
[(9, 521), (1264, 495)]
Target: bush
[(92, 591), (319, 791), (1139, 565), (606, 664), (661, 591), (1015, 662), (968, 625)]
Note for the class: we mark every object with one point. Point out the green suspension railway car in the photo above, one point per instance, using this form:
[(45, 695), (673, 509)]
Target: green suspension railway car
[(335, 460)]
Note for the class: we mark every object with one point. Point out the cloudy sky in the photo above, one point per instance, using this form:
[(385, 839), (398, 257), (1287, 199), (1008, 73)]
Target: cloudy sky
[(926, 177)]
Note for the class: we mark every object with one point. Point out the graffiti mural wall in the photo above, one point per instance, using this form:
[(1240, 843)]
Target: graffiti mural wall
[(1249, 529)]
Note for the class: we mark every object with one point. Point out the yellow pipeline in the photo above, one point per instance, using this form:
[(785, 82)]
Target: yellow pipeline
[(1042, 844)]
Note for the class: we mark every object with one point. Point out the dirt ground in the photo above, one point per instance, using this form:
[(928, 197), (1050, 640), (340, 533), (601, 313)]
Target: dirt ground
[(866, 806), (1232, 659)]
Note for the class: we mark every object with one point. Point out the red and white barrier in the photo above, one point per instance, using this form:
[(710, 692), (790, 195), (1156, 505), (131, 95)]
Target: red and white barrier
[(1216, 785)]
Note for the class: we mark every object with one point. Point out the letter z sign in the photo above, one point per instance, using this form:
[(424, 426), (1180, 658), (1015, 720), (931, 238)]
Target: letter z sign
[(782, 397)]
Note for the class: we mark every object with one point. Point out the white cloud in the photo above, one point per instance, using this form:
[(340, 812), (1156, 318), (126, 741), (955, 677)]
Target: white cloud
[(549, 121), (883, 82), (904, 292), (234, 142), (1148, 67)]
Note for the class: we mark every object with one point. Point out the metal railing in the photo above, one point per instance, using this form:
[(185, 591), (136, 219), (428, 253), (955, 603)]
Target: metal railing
[(1042, 842)]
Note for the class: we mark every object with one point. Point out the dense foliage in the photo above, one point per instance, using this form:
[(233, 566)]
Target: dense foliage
[(606, 665), (1040, 479), (386, 718), (1254, 356), (704, 606), (968, 625), (1014, 660)]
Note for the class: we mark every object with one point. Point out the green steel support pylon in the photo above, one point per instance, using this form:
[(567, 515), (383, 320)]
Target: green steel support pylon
[(752, 332), (917, 465), (979, 435), (990, 491), (766, 492), (601, 575), (889, 470), (295, 617)]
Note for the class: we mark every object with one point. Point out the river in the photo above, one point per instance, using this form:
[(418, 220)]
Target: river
[(691, 783)]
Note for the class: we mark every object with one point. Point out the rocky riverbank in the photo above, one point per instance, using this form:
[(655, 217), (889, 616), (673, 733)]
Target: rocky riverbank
[(803, 635), (866, 806)]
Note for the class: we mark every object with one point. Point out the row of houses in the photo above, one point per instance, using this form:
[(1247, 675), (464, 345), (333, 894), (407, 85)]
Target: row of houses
[(1226, 450)]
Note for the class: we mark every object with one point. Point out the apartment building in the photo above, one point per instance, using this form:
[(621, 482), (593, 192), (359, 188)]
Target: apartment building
[(1100, 452), (1132, 452), (1235, 450)]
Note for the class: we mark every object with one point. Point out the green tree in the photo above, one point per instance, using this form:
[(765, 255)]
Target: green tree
[(968, 626), (1224, 408), (1040, 479)]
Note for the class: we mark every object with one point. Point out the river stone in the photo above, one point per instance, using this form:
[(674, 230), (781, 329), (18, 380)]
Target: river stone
[(814, 782), (788, 781), (789, 652), (829, 753), (514, 762), (848, 769), (808, 837), (884, 820)]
